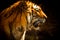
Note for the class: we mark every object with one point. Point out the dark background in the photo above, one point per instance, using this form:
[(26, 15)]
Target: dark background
[(50, 7)]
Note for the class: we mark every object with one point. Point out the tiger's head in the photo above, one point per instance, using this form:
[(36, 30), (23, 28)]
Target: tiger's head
[(21, 17), (35, 16)]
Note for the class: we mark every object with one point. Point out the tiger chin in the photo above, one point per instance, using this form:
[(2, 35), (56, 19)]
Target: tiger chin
[(21, 17)]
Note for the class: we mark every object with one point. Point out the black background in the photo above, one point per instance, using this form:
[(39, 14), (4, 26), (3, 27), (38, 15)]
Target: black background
[(50, 7)]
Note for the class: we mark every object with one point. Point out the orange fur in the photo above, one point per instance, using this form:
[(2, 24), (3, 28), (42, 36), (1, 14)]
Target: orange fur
[(17, 19)]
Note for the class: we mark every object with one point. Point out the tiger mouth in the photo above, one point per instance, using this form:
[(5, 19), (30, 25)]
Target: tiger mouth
[(36, 23)]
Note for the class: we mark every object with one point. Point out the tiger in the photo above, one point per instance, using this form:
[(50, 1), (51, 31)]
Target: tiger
[(21, 17)]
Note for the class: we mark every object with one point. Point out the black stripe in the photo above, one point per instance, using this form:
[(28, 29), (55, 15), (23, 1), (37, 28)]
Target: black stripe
[(8, 14)]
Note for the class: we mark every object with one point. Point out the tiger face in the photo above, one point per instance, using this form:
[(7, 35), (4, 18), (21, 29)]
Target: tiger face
[(21, 17), (36, 16)]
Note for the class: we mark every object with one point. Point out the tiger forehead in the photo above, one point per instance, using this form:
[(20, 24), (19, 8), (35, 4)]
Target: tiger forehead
[(32, 4)]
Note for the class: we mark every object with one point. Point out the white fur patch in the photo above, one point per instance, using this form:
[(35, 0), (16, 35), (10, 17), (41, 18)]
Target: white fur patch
[(23, 37)]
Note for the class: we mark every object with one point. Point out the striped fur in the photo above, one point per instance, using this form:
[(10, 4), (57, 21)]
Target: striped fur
[(18, 18)]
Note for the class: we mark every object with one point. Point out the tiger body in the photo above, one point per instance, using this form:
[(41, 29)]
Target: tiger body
[(18, 18)]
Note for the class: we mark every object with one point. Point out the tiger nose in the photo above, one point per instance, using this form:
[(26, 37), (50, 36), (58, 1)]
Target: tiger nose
[(45, 17), (43, 14)]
